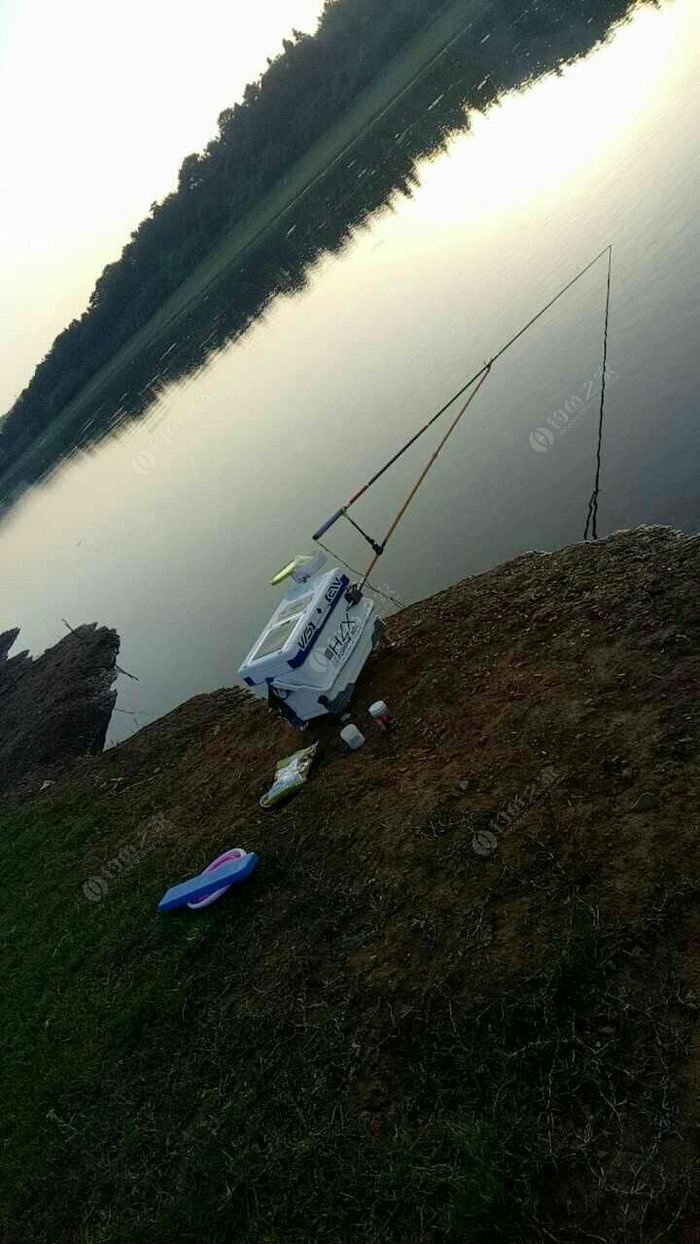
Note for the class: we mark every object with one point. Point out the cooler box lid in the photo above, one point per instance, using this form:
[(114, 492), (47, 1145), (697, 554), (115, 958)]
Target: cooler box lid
[(294, 627)]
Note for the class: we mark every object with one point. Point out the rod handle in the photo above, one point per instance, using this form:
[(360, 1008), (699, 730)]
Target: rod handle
[(329, 523)]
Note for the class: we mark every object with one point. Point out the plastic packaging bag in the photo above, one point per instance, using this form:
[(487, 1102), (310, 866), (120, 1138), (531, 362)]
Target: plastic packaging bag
[(290, 774)]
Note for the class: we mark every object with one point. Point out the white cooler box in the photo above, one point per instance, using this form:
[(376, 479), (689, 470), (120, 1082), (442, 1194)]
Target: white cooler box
[(307, 660)]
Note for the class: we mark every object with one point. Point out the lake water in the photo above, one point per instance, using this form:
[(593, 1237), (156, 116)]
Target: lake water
[(170, 528)]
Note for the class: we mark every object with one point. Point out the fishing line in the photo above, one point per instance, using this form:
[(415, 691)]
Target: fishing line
[(394, 600), (592, 518)]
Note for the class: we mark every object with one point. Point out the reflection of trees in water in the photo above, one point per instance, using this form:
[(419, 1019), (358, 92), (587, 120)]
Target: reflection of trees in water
[(495, 55)]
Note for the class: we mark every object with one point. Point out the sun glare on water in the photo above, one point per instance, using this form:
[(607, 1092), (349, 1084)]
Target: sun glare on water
[(555, 131)]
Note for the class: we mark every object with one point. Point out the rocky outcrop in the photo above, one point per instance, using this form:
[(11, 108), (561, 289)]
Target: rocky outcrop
[(7, 639), (58, 705)]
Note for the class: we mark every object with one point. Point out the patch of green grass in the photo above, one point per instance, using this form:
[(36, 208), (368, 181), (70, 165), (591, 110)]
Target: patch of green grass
[(70, 1000), (475, 1186), (455, 1163), (227, 1076)]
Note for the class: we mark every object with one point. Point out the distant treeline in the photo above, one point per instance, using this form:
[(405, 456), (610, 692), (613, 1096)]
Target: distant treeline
[(303, 90)]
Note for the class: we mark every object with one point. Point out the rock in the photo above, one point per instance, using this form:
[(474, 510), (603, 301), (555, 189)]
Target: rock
[(484, 842), (646, 802), (58, 705), (7, 639)]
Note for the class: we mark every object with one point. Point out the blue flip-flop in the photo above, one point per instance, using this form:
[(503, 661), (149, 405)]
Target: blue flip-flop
[(204, 884)]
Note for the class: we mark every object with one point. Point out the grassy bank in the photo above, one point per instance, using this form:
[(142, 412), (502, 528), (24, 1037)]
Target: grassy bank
[(386, 1034)]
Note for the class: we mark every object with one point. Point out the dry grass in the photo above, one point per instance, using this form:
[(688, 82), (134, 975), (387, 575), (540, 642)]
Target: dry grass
[(383, 1036)]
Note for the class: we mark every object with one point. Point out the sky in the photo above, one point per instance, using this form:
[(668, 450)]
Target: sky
[(100, 101)]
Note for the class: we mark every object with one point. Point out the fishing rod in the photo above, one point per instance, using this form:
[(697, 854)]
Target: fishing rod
[(480, 376), (379, 548)]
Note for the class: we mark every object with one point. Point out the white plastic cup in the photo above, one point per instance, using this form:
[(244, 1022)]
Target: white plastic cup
[(381, 715), (352, 737)]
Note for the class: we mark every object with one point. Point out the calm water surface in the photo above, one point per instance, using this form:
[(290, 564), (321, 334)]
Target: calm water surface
[(283, 425)]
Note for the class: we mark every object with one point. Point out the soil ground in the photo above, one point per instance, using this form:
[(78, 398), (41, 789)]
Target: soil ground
[(457, 1000)]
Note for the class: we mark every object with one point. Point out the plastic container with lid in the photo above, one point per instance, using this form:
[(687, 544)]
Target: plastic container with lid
[(381, 715), (352, 737)]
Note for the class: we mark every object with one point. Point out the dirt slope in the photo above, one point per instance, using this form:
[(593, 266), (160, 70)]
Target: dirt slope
[(458, 1000)]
